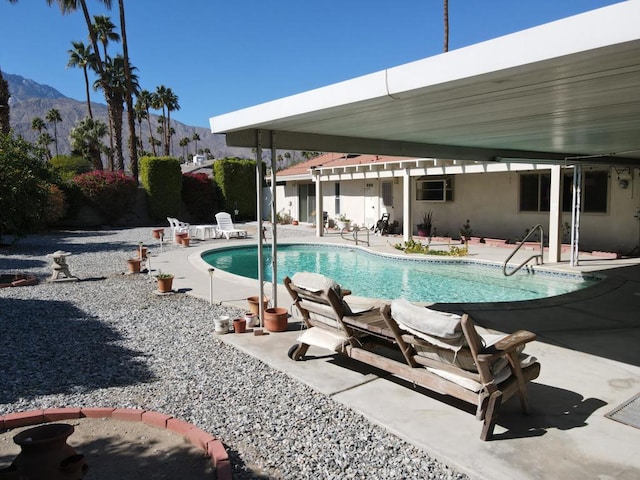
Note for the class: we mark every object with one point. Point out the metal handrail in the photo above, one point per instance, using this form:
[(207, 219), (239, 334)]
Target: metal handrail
[(539, 257), (355, 231)]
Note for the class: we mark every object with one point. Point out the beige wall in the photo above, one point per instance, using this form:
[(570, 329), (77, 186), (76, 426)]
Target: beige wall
[(490, 201)]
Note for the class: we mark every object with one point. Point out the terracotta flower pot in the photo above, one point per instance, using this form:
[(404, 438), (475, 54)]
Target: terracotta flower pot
[(46, 454), (157, 233), (254, 303), (180, 236), (134, 265), (141, 252), (185, 241), (165, 285), (275, 319), (239, 325)]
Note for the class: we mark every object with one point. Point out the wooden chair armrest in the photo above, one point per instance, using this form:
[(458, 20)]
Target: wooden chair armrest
[(510, 343)]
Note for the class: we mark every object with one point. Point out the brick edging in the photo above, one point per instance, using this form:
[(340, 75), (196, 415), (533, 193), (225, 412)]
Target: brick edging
[(199, 438)]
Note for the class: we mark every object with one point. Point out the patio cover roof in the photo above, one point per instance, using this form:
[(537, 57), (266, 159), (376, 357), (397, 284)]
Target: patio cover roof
[(566, 89)]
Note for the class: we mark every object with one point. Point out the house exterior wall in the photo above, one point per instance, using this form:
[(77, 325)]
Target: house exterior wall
[(491, 203)]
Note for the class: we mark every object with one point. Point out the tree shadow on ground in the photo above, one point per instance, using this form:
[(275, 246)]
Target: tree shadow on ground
[(59, 348)]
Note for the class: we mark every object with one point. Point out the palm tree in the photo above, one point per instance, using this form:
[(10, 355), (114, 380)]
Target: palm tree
[(195, 138), (5, 126), (44, 140), (53, 116), (141, 114), (86, 140), (446, 25), (113, 84), (157, 102), (168, 102), (81, 56), (38, 124), (130, 90), (144, 98), (104, 30), (184, 141)]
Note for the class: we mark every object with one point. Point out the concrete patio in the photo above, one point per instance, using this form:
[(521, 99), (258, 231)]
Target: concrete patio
[(587, 345)]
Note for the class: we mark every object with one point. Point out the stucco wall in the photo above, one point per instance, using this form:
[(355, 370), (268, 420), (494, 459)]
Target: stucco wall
[(490, 201)]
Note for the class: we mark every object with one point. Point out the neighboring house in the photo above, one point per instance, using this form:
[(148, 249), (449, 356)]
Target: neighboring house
[(499, 199)]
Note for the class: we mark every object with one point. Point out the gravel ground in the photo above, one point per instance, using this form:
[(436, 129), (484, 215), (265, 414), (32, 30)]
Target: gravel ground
[(107, 340)]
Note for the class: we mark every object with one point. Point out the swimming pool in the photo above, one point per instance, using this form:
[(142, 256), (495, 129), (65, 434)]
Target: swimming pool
[(377, 276)]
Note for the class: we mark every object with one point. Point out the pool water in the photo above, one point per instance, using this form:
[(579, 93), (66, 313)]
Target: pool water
[(376, 276)]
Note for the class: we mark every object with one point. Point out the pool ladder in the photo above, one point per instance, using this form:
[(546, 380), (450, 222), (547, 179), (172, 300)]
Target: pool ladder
[(538, 256), (355, 231)]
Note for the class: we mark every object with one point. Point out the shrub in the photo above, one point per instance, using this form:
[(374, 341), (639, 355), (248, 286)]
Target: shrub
[(236, 179), (112, 193), (56, 206), (66, 167), (199, 196), (24, 182), (161, 178)]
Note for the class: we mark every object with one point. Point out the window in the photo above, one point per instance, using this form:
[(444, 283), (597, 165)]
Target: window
[(535, 192), (435, 189), (387, 194), (595, 191)]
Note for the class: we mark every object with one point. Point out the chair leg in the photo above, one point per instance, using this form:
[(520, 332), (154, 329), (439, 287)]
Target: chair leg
[(491, 415), (522, 387)]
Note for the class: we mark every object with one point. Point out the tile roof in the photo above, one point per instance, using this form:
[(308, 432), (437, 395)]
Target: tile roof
[(328, 160)]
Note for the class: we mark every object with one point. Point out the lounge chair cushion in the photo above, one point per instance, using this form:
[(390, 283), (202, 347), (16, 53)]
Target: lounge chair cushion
[(316, 283), (431, 322), (500, 376), (319, 337)]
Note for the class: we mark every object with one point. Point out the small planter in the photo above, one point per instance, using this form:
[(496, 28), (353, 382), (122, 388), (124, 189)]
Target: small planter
[(221, 325), (165, 283), (239, 325), (157, 233), (343, 224), (275, 319), (251, 319), (294, 222), (141, 253), (179, 236), (254, 304), (134, 265), (185, 241)]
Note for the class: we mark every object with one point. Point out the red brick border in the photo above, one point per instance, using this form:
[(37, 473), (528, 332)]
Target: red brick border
[(199, 438)]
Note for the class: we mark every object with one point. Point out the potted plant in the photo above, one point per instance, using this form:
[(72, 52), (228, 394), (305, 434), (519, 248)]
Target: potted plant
[(426, 224), (465, 232), (343, 221), (275, 319), (134, 265), (165, 282)]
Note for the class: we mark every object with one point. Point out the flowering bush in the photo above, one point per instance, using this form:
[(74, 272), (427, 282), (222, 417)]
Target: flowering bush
[(112, 193), (198, 195)]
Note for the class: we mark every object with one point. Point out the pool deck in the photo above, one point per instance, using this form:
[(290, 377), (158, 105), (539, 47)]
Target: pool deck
[(588, 346)]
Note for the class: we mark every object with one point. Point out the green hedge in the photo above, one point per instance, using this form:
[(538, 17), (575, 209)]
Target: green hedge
[(236, 179), (161, 178)]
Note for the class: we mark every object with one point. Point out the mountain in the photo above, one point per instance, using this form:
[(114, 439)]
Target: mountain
[(30, 99)]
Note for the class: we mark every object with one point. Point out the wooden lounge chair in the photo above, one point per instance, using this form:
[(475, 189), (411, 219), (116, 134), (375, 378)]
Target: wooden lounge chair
[(483, 371), (227, 228)]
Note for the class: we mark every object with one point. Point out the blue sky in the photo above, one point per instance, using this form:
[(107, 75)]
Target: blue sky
[(220, 56)]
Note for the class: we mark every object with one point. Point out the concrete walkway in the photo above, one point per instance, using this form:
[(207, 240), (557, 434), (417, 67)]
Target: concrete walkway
[(588, 346)]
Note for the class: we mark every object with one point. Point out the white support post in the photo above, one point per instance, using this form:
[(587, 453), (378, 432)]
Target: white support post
[(260, 202), (575, 214), (274, 242), (406, 205), (555, 215), (319, 205)]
